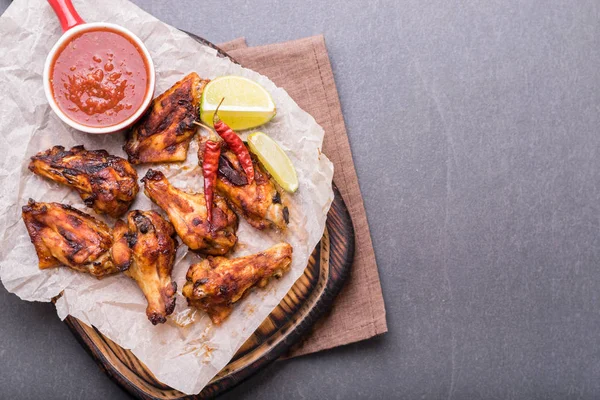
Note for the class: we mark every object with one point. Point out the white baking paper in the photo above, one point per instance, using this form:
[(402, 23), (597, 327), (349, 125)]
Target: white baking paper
[(188, 350)]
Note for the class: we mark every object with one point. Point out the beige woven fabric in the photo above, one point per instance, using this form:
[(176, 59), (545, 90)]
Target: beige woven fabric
[(302, 68)]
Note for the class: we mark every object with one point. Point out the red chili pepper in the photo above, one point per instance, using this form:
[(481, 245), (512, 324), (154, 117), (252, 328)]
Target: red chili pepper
[(235, 144), (210, 165)]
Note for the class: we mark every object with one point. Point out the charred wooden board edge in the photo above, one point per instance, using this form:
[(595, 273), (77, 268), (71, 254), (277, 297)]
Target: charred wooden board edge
[(341, 246), (99, 357), (220, 53)]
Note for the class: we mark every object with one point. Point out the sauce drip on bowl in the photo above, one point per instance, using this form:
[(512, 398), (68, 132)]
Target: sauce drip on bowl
[(99, 78)]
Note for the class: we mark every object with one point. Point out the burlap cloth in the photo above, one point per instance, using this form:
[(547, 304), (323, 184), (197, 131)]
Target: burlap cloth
[(302, 68)]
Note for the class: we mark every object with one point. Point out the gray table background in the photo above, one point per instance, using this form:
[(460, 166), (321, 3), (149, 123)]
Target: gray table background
[(474, 129)]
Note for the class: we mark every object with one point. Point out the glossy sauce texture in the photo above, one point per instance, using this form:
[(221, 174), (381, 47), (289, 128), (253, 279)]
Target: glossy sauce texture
[(99, 78)]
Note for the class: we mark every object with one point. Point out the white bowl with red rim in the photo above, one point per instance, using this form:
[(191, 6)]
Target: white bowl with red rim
[(73, 25)]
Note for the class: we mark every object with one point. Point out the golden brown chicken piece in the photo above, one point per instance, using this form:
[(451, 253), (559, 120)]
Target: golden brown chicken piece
[(106, 183), (152, 243), (187, 212), (164, 132), (63, 235), (216, 283), (259, 202)]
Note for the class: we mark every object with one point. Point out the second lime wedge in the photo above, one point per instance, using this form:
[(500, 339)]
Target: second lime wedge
[(274, 159), (246, 104)]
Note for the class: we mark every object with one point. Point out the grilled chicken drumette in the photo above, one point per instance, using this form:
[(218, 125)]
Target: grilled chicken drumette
[(216, 283), (188, 214), (164, 132), (151, 245), (106, 183), (258, 202), (63, 235)]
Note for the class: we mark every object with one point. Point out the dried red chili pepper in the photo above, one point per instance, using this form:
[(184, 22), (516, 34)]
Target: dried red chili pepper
[(235, 144), (210, 165)]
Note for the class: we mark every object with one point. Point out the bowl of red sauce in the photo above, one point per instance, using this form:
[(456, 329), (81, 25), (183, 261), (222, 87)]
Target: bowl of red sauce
[(99, 77)]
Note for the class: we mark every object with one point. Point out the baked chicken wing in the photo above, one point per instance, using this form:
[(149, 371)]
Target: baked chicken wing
[(63, 235), (188, 214), (216, 283), (106, 183), (164, 132), (151, 241), (258, 202)]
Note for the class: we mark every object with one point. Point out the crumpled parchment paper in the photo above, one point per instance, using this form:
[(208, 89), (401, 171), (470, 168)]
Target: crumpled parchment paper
[(188, 350)]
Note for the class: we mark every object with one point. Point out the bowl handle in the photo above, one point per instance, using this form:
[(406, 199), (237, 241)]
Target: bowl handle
[(66, 14)]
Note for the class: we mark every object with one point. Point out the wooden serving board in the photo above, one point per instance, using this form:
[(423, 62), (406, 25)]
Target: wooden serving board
[(311, 296)]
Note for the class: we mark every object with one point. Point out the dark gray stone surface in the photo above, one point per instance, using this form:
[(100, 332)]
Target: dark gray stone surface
[(474, 127)]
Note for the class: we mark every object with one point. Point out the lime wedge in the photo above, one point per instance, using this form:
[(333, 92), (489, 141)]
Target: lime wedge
[(246, 105), (274, 159)]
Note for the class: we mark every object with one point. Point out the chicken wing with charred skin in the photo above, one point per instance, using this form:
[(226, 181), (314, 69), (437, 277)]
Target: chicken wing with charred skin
[(63, 235), (258, 202), (152, 245), (164, 132), (187, 212), (216, 283), (144, 248), (106, 183)]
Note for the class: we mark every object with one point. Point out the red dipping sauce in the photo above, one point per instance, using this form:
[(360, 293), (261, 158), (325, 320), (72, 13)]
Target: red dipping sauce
[(99, 78)]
